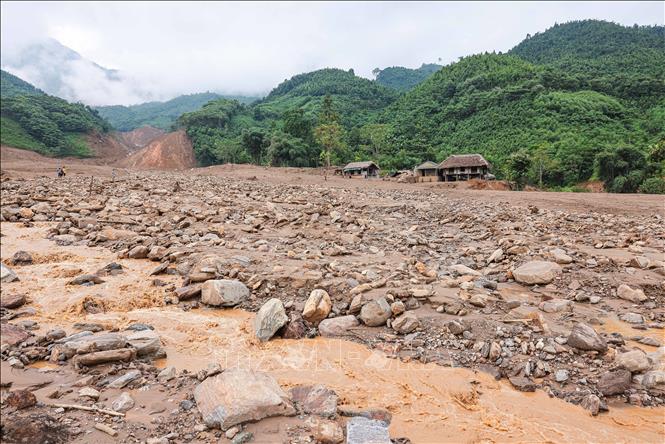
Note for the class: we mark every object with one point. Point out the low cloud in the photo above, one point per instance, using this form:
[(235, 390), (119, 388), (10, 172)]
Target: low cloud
[(164, 49)]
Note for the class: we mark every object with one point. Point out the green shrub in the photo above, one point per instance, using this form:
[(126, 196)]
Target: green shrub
[(653, 185)]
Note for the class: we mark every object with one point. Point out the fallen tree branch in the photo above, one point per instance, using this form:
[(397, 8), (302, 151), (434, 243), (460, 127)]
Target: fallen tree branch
[(87, 409)]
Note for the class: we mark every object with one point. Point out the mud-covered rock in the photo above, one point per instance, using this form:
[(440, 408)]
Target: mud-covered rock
[(237, 396)]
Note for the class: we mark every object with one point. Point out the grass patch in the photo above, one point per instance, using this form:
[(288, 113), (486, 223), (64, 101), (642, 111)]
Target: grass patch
[(77, 145), (12, 134)]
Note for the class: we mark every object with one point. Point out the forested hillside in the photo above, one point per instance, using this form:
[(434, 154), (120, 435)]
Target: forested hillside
[(557, 121), (160, 114), (403, 79), (301, 121), (10, 86), (46, 124)]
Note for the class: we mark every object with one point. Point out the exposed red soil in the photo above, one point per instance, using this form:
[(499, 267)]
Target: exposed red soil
[(106, 148), (140, 137), (173, 151)]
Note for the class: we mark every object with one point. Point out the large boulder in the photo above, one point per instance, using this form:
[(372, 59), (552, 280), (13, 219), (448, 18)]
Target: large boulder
[(12, 334), (94, 343), (405, 323), (614, 382), (270, 318), (654, 379), (584, 337), (536, 272), (375, 313), (7, 274), (337, 326), (629, 294), (317, 307), (12, 300), (224, 292), (633, 361), (237, 396)]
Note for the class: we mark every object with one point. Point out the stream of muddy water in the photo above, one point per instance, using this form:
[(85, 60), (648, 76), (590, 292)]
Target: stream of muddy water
[(429, 403)]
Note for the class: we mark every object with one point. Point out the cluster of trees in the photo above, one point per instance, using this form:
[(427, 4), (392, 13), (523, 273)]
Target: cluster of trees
[(622, 170), (319, 118), (160, 114), (48, 124), (565, 111), (11, 86), (403, 79)]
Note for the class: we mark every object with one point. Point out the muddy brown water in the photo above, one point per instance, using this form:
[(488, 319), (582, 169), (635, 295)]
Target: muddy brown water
[(429, 403)]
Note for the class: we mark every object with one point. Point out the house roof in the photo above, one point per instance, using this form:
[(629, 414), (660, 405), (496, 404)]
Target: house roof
[(429, 165), (464, 160), (360, 165)]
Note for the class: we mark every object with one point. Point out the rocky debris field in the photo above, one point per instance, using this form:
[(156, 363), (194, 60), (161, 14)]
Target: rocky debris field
[(571, 303)]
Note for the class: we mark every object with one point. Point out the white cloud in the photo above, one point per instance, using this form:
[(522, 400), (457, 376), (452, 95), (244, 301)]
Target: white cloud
[(173, 48)]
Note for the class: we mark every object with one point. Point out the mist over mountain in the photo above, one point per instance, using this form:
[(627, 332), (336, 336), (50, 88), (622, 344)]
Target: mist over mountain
[(62, 72)]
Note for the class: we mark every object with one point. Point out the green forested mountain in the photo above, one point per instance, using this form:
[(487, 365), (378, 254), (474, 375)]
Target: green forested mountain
[(49, 125), (286, 127), (10, 86), (560, 115), (160, 114), (598, 48), (403, 79)]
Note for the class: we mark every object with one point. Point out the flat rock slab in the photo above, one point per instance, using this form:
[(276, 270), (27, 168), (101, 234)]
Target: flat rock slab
[(536, 272), (337, 326), (236, 396), (361, 430), (13, 334)]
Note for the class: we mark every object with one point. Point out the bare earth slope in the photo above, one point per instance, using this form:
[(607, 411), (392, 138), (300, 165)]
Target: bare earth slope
[(173, 151), (140, 137)]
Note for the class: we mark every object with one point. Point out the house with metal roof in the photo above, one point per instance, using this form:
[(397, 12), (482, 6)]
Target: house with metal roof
[(463, 167), (362, 169)]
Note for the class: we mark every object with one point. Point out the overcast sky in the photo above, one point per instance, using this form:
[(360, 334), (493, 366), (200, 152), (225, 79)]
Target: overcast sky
[(245, 47)]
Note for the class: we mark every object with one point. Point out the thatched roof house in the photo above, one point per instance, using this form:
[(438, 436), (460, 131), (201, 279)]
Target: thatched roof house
[(365, 169), (464, 161), (464, 167)]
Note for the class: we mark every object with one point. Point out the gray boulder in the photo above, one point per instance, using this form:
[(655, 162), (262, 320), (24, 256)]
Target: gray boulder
[(536, 272), (237, 396), (614, 382), (337, 326), (7, 274), (633, 361), (224, 292), (375, 313), (406, 323), (584, 337), (270, 318)]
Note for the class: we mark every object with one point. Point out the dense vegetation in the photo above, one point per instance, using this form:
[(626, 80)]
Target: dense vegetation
[(403, 79), (160, 114), (11, 86), (307, 120), (550, 123), (46, 124)]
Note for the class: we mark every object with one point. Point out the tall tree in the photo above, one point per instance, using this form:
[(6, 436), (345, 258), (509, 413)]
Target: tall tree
[(329, 133)]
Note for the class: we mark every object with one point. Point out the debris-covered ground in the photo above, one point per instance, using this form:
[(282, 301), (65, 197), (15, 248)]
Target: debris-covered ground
[(164, 307)]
